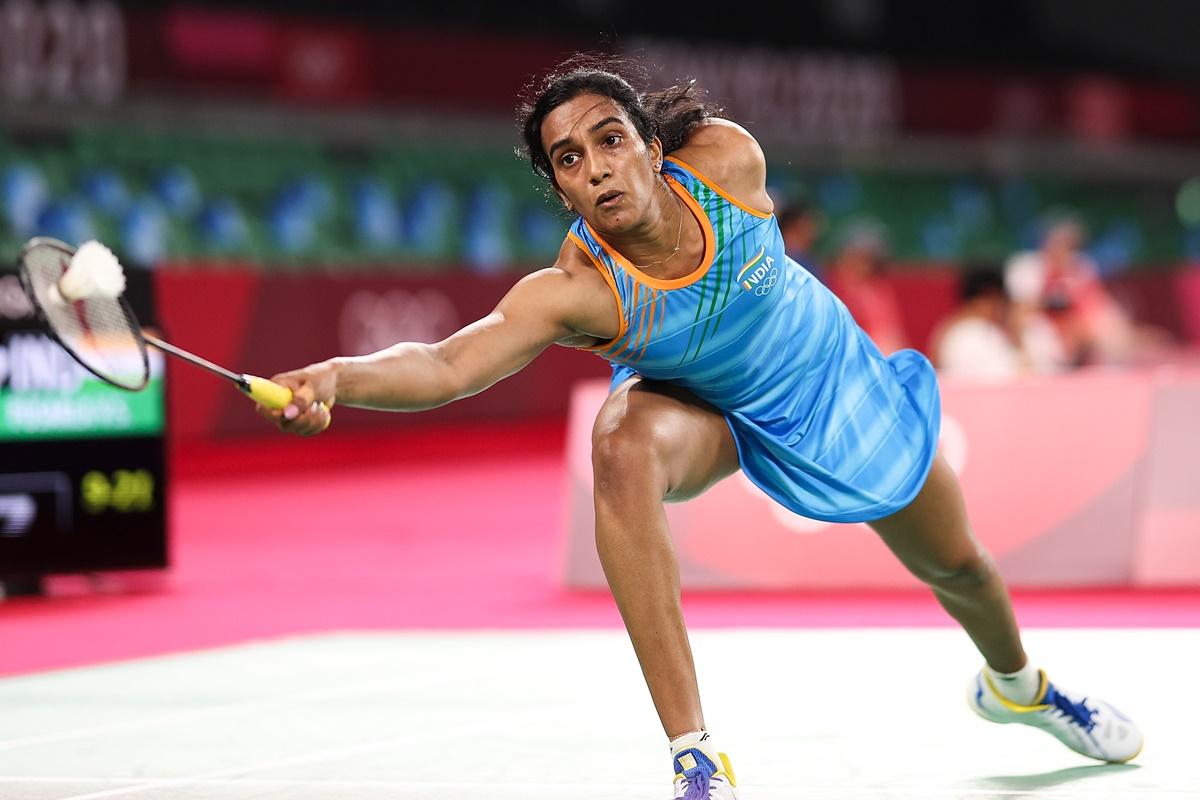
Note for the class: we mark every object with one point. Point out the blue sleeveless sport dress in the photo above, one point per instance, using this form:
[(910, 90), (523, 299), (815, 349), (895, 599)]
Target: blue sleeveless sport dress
[(824, 423)]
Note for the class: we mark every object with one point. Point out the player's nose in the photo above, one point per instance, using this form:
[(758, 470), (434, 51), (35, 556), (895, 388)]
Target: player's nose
[(600, 172)]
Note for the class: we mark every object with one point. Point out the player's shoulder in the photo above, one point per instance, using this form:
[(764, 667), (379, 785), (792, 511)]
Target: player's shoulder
[(576, 293), (729, 155), (569, 295), (573, 269), (722, 149), (574, 262), (572, 280), (722, 132)]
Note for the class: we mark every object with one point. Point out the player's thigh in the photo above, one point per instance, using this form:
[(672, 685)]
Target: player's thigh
[(653, 431), (932, 535)]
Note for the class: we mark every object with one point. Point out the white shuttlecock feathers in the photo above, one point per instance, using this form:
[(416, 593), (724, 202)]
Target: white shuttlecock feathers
[(94, 272)]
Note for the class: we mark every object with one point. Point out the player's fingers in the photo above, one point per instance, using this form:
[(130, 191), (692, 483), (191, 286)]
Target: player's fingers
[(272, 414), (314, 420), (302, 401), (317, 419), (293, 380), (268, 411)]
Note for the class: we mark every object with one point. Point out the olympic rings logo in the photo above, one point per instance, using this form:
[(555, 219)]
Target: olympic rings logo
[(767, 283), (371, 321)]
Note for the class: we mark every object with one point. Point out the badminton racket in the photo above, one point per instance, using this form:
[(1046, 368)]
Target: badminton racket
[(78, 296)]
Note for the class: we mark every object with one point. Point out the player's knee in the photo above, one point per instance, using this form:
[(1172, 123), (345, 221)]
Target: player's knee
[(967, 574), (625, 456)]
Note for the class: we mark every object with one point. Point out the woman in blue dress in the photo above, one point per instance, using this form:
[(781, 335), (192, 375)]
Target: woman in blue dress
[(726, 355)]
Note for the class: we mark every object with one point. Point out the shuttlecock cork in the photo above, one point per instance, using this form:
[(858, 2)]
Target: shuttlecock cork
[(94, 272)]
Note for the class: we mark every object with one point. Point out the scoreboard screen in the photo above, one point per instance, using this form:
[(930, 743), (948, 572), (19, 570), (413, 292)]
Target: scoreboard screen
[(81, 462)]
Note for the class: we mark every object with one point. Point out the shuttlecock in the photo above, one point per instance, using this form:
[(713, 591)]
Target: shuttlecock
[(94, 272)]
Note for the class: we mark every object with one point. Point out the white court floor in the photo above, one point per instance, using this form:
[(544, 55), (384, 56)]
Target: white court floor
[(528, 716)]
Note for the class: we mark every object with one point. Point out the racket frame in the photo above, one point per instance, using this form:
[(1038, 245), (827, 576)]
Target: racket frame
[(135, 327), (259, 389)]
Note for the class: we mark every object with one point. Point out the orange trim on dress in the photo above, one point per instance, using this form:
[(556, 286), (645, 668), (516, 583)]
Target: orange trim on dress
[(657, 301), (638, 313), (710, 246), (707, 182), (611, 285), (662, 313), (643, 319)]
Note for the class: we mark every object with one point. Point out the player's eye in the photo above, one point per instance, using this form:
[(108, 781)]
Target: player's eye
[(612, 139), (568, 159)]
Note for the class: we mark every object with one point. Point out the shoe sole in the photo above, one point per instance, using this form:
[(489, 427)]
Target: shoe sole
[(1141, 746)]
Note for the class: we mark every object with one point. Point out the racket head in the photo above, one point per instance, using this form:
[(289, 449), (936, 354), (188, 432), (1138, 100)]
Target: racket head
[(101, 333)]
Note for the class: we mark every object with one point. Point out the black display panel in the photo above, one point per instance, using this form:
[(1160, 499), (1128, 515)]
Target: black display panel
[(82, 465)]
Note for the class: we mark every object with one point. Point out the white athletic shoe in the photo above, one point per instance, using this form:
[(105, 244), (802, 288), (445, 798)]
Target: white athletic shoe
[(1084, 724), (704, 776)]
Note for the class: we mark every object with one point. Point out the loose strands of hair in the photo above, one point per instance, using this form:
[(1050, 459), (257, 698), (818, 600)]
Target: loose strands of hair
[(679, 110), (671, 114)]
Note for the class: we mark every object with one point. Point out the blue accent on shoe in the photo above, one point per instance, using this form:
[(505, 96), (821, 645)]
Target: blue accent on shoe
[(698, 777), (1078, 712), (979, 691)]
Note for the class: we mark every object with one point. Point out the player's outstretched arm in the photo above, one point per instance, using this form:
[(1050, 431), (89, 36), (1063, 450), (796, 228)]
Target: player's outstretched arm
[(552, 305)]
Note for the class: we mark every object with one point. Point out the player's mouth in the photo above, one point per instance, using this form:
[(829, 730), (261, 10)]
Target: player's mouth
[(609, 199)]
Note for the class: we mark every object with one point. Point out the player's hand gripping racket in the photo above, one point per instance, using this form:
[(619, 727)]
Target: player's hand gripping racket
[(78, 296)]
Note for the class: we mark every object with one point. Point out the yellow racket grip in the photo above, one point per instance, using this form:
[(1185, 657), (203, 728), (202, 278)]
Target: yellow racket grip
[(267, 393)]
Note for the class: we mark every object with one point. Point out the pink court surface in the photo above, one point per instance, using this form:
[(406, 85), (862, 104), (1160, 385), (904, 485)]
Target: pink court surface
[(454, 529), (384, 618)]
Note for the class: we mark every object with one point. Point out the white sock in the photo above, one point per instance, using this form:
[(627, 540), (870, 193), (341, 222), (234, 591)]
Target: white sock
[(700, 739), (1021, 686)]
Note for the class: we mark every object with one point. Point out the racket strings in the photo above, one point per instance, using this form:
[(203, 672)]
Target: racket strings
[(99, 332)]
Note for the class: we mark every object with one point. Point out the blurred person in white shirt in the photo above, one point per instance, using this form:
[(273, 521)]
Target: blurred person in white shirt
[(987, 338)]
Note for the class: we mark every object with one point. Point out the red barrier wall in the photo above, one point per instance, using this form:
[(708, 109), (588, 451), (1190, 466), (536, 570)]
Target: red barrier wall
[(926, 296)]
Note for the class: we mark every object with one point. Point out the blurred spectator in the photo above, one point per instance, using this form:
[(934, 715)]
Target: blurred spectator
[(857, 277), (801, 224), (987, 338), (24, 194), (1060, 280)]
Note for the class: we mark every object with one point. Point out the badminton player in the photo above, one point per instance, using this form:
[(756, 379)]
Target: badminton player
[(726, 354)]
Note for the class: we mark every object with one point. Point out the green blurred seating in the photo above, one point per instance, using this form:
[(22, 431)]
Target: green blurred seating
[(438, 188)]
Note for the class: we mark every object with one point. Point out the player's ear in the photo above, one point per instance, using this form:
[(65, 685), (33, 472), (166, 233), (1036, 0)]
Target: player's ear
[(566, 203), (655, 150)]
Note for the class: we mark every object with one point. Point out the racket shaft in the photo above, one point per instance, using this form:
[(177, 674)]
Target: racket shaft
[(193, 359), (261, 390)]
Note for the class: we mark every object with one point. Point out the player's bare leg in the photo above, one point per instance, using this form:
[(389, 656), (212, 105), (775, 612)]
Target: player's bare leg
[(654, 443), (933, 539)]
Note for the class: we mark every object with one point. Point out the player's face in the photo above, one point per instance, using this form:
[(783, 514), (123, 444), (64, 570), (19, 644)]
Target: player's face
[(604, 170)]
